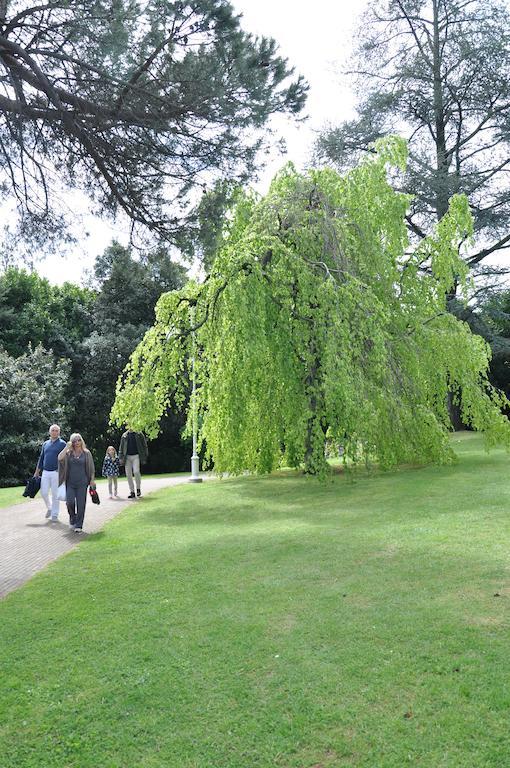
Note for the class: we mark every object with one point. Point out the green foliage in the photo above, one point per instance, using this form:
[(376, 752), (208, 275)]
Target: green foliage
[(32, 396), (93, 332), (203, 236), (496, 313), (317, 319), (128, 291), (491, 319), (35, 312), (130, 288)]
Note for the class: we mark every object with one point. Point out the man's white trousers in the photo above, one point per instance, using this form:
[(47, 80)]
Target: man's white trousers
[(49, 483)]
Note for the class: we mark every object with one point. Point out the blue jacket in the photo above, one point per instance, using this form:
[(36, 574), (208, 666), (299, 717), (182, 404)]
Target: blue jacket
[(48, 459)]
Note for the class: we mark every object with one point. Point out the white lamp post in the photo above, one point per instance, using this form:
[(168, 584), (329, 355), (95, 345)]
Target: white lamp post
[(195, 478)]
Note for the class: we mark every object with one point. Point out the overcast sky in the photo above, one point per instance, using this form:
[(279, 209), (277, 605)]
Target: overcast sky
[(316, 38)]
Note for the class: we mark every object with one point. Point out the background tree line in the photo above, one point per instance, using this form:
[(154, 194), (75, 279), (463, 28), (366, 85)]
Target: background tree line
[(62, 349)]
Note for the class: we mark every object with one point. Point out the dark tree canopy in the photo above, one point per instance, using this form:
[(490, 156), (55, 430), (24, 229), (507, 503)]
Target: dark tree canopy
[(134, 102), (491, 319), (84, 338), (33, 312), (438, 71), (128, 290), (32, 396)]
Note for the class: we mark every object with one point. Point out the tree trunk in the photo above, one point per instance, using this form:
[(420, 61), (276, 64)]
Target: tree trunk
[(442, 163), (442, 166), (314, 450), (454, 414)]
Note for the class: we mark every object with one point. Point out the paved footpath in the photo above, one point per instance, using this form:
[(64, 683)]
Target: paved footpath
[(28, 541)]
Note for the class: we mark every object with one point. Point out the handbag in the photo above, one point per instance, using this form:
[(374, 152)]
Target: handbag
[(61, 492), (32, 487), (94, 496)]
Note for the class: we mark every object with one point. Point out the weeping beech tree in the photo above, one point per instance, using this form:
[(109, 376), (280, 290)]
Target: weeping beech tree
[(318, 322)]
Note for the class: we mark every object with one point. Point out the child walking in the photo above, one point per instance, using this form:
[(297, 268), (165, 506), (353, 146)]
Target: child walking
[(111, 470)]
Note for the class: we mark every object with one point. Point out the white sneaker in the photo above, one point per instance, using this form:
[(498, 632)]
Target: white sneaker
[(48, 514)]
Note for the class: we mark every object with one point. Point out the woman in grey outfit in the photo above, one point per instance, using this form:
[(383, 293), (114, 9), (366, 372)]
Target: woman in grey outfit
[(76, 470)]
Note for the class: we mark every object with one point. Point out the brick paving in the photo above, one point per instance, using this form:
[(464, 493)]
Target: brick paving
[(28, 541)]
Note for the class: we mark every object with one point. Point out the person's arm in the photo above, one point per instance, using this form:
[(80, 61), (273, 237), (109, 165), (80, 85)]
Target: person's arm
[(62, 464), (61, 456), (92, 470), (122, 450), (143, 442), (39, 465)]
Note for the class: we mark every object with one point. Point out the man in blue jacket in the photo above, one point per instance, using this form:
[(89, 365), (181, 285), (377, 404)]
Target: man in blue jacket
[(48, 466)]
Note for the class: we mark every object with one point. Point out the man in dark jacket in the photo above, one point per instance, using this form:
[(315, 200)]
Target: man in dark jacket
[(132, 453)]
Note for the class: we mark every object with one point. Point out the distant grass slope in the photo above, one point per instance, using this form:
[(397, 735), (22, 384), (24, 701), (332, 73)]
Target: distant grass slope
[(12, 496), (274, 622)]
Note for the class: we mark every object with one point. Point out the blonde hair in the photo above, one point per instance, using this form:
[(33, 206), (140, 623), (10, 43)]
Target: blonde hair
[(113, 449), (76, 436)]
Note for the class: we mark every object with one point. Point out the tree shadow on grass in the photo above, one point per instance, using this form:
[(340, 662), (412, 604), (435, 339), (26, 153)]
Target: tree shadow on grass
[(424, 494)]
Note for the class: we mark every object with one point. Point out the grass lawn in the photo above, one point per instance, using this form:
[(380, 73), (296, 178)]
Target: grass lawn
[(274, 622), (11, 496)]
